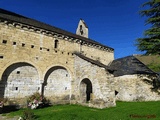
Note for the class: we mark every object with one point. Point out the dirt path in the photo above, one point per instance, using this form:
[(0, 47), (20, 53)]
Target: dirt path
[(8, 118)]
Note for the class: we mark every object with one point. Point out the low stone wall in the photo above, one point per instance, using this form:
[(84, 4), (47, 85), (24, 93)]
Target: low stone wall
[(135, 88)]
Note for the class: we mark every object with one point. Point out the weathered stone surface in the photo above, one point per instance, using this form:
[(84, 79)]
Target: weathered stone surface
[(134, 88), (36, 62), (34, 59), (100, 80), (82, 29)]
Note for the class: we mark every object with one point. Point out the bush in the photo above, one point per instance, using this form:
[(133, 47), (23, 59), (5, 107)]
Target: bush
[(2, 101), (28, 115), (36, 100)]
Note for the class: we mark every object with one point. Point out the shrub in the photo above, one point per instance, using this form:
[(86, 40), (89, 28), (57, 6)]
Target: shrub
[(36, 100), (27, 115), (2, 101)]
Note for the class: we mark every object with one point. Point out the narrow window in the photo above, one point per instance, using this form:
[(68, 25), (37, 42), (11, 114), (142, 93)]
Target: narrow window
[(32, 46), (81, 30), (56, 44), (4, 41), (23, 44), (1, 57), (14, 43), (16, 88), (40, 48), (18, 72), (47, 49), (116, 92)]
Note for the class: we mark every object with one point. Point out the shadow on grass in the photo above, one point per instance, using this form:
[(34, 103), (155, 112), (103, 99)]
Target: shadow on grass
[(10, 108), (44, 105)]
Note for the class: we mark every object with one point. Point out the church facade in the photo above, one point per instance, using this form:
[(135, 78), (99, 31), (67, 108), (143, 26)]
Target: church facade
[(62, 66), (65, 67)]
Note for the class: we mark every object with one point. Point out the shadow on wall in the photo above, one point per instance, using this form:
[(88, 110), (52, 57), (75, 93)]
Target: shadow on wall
[(85, 90), (155, 84), (47, 76), (6, 74)]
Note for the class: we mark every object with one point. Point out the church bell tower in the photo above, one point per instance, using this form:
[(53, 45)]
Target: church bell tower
[(82, 29)]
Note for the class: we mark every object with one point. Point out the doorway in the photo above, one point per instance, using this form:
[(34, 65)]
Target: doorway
[(85, 90)]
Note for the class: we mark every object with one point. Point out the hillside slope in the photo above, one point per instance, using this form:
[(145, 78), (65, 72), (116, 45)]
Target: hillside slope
[(152, 61)]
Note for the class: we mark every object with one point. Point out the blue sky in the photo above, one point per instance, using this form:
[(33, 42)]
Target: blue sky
[(115, 23)]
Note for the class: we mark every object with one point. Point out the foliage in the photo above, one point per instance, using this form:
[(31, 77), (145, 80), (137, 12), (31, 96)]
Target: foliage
[(151, 42), (2, 101), (154, 67), (123, 111), (152, 61), (27, 115), (36, 100), (156, 85)]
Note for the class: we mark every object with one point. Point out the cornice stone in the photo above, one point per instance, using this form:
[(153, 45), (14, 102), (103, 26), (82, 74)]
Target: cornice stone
[(56, 35)]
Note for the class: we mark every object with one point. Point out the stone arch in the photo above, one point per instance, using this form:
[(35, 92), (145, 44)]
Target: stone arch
[(22, 61), (57, 83), (54, 66), (85, 90), (19, 80)]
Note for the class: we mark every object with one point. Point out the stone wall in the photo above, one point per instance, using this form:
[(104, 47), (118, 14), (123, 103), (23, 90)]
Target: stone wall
[(58, 86), (104, 57), (45, 63), (21, 44), (20, 80), (33, 60), (135, 88), (102, 84)]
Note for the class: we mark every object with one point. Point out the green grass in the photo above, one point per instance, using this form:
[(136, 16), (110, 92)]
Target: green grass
[(123, 111), (152, 61)]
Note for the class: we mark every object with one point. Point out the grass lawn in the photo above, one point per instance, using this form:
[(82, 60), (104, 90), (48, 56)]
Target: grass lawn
[(123, 111)]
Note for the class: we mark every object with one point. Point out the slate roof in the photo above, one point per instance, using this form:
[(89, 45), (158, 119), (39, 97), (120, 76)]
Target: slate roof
[(128, 66), (7, 15), (123, 66)]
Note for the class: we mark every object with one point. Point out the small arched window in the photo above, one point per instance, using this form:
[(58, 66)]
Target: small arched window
[(81, 30), (56, 44)]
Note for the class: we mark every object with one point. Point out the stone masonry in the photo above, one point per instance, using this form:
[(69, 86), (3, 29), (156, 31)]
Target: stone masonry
[(135, 88), (39, 59), (65, 67)]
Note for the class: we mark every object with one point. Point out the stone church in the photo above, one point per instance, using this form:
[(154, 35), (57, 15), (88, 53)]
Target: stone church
[(66, 67)]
